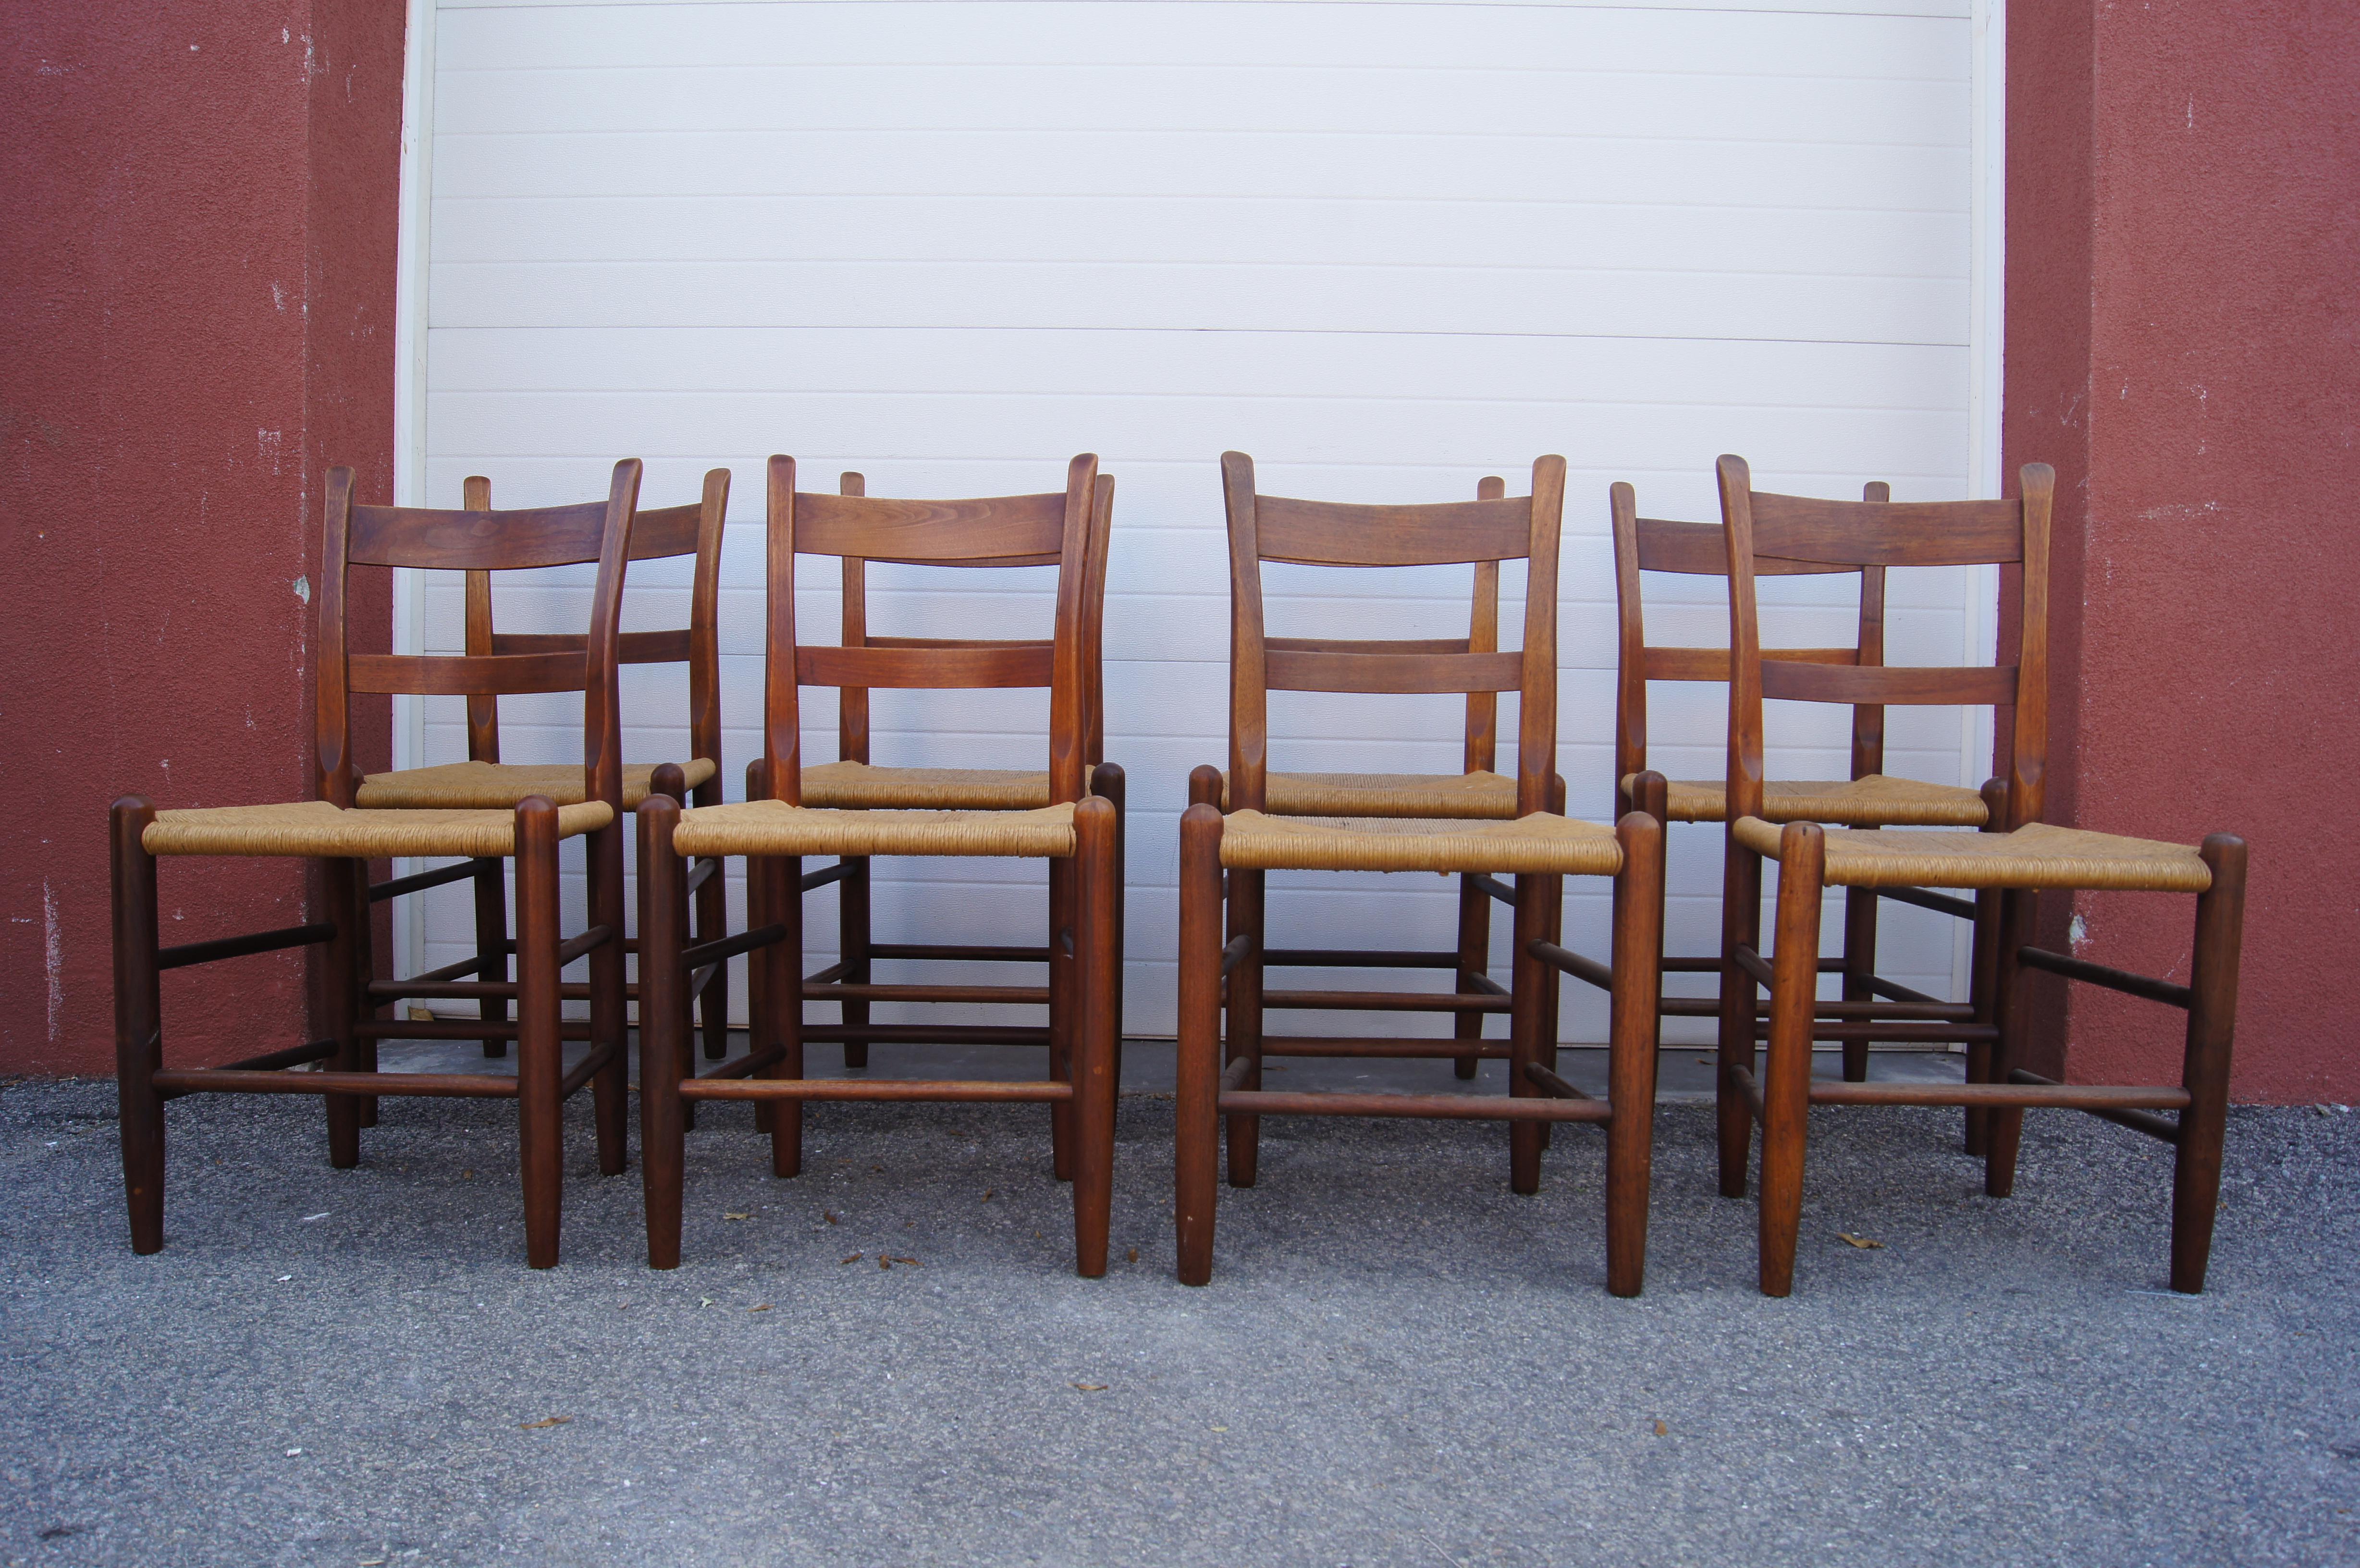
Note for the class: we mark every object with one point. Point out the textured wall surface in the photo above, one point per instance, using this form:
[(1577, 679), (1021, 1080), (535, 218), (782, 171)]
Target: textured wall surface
[(197, 211), (2184, 346)]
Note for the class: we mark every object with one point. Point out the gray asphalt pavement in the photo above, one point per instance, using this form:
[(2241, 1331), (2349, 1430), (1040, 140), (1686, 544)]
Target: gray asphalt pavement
[(1398, 1362)]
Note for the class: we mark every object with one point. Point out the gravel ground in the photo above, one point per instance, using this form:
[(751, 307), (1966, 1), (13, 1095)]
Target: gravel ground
[(1397, 1362)]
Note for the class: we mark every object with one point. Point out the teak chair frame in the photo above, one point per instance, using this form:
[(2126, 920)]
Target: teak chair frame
[(851, 981), (2026, 856), (1077, 833), (662, 533), (344, 841), (1701, 549), (1222, 922)]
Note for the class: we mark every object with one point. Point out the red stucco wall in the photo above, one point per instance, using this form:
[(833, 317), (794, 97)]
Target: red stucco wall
[(2183, 343), (197, 210)]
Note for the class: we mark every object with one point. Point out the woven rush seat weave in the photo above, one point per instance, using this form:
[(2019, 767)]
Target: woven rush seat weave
[(1539, 844), (1471, 797), (852, 786), (1876, 800), (317, 828), (2038, 855), (476, 786), (773, 827)]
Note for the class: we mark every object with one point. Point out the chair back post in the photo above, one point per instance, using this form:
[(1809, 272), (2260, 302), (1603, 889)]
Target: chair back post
[(782, 763), (483, 713), (602, 699), (1868, 718), (1482, 750), (704, 633), (332, 738), (1630, 643), (1743, 789), (852, 702), (2026, 734), (1248, 675), (1094, 621), (1536, 703), (1068, 683)]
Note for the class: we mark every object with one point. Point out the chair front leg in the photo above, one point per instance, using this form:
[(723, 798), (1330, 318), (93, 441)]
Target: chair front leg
[(662, 1049), (1859, 968), (1787, 1076), (138, 1022), (1196, 1116), (1098, 874), (782, 993), (2205, 1071), (2004, 1127), (1474, 958), (1107, 783), (1633, 1033), (540, 1064), (1065, 1007), (853, 937), (1982, 974), (1741, 926)]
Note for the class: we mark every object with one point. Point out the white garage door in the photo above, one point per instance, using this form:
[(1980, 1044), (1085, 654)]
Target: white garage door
[(1386, 248)]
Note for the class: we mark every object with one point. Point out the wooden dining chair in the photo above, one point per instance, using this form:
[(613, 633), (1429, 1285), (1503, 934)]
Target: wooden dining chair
[(852, 783), (1476, 793), (1224, 860), (1870, 798), (344, 837), (2010, 861), (1075, 831), (484, 782)]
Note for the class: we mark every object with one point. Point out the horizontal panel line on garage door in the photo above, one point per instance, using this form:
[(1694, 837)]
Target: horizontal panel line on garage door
[(1113, 464), (787, 395)]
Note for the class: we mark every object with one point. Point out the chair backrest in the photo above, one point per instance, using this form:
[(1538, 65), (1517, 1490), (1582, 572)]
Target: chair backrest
[(997, 530), (1760, 527), (852, 702), (476, 541), (1702, 550), (1485, 531), (695, 529)]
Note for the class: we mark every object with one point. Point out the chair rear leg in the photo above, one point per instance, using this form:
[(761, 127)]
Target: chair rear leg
[(1527, 1006), (661, 1048), (1474, 958), (783, 996), (1107, 783), (1196, 1114), (492, 947), (1982, 992), (1859, 965), (138, 1022), (1633, 1032), (1741, 926), (1787, 1076), (344, 884), (1244, 1039), (713, 1002), (611, 1086), (2212, 1029), (853, 937), (2003, 1127), (540, 1051)]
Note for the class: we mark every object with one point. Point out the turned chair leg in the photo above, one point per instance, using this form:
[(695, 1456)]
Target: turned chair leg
[(1097, 873), (1633, 1032), (1741, 926), (1787, 1076), (138, 1023), (661, 1153), (1244, 1037), (2211, 1029), (540, 1050), (1196, 1111)]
